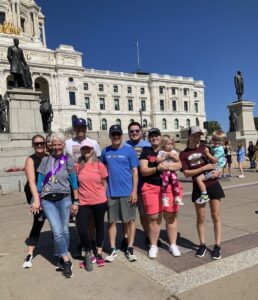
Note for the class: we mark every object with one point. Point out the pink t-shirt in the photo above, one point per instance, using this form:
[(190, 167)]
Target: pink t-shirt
[(91, 189)]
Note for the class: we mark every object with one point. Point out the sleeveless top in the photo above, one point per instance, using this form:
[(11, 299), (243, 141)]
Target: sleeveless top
[(36, 162)]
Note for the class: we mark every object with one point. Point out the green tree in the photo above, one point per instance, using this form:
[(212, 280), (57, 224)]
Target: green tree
[(211, 126), (256, 122)]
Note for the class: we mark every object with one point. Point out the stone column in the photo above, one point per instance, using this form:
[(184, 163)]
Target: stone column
[(18, 15), (35, 25), (44, 35), (13, 13)]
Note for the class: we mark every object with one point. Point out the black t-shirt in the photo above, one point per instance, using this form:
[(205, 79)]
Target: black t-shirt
[(192, 159), (149, 154)]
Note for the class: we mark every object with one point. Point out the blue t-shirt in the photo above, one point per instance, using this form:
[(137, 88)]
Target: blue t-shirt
[(219, 154), (138, 148), (119, 164)]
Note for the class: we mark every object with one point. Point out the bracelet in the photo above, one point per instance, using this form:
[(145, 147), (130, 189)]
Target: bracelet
[(76, 202)]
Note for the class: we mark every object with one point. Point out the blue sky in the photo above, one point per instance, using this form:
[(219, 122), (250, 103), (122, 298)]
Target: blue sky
[(206, 40)]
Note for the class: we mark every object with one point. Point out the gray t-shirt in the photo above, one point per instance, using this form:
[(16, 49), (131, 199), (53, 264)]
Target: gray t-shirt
[(61, 184)]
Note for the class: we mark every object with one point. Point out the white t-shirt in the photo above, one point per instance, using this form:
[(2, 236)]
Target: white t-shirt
[(72, 147), (163, 153)]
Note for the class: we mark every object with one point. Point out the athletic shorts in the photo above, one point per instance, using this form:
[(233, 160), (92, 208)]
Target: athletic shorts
[(141, 205), (152, 200), (214, 191), (120, 209)]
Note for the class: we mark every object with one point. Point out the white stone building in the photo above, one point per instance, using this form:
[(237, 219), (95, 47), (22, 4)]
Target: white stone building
[(104, 97)]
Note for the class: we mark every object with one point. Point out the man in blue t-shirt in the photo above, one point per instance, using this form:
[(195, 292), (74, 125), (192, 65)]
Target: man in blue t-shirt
[(122, 165), (135, 135)]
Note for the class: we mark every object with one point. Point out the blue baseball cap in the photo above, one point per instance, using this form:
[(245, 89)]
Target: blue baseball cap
[(79, 122)]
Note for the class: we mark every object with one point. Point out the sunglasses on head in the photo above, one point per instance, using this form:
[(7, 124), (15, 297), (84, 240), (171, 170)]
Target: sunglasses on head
[(37, 144), (135, 131)]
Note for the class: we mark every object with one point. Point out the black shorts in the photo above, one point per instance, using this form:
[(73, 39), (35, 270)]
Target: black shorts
[(229, 159), (214, 191)]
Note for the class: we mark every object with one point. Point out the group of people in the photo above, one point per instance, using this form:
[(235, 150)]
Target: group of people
[(75, 177)]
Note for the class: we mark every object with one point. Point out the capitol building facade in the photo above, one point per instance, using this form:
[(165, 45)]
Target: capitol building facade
[(170, 103)]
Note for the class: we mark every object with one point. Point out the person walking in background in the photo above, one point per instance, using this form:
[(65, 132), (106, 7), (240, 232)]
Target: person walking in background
[(168, 154), (92, 178), (194, 162), (31, 165), (56, 174), (251, 150), (122, 166), (136, 141), (151, 195), (228, 150), (240, 159), (256, 155)]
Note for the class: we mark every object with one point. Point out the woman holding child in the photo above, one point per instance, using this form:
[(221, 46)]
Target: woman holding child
[(152, 195), (194, 163)]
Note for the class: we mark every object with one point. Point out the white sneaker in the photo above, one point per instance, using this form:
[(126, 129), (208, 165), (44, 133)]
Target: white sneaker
[(241, 176), (153, 252), (28, 261), (174, 250), (179, 200)]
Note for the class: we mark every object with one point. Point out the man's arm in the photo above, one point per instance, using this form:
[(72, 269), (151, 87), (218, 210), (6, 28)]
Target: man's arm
[(135, 185)]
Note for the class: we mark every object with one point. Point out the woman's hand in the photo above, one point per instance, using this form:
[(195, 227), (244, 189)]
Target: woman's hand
[(74, 209), (35, 207)]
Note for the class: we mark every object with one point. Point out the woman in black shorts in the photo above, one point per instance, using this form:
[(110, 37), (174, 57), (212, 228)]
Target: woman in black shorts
[(194, 162)]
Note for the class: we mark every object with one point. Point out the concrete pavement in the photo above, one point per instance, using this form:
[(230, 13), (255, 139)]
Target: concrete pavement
[(185, 277)]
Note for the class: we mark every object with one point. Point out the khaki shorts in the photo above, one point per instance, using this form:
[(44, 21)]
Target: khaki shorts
[(120, 209)]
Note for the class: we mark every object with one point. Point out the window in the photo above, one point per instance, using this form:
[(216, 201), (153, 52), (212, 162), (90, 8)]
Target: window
[(2, 17), (174, 105), (197, 123), (85, 86), (116, 104), (101, 87), (70, 79), (161, 104), (185, 92), (142, 91), (103, 124), (176, 124), (89, 124), (164, 124), (129, 90), (188, 123), (130, 104), (173, 90), (87, 102), (196, 107), (102, 103), (144, 123), (22, 24), (115, 88), (72, 98), (143, 105), (195, 94), (185, 106), (161, 90), (118, 122)]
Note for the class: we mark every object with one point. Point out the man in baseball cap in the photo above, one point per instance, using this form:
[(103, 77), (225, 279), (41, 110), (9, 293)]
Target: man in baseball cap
[(154, 131)]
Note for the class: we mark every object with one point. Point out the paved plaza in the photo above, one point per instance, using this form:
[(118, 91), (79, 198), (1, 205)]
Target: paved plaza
[(235, 276)]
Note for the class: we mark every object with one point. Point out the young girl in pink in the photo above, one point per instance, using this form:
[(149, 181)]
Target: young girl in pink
[(168, 154)]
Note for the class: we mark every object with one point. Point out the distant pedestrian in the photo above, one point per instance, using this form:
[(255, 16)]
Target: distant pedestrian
[(194, 162), (31, 166), (251, 150), (228, 150), (240, 159), (256, 155), (122, 166)]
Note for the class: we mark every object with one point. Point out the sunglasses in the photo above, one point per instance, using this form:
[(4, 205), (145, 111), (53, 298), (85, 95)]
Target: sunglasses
[(135, 131), (39, 144)]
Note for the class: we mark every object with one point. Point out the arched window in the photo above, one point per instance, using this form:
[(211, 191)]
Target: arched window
[(89, 124), (188, 124), (197, 122), (176, 124), (144, 123), (103, 124), (164, 124), (118, 122)]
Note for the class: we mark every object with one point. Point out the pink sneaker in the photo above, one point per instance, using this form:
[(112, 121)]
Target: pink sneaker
[(100, 261)]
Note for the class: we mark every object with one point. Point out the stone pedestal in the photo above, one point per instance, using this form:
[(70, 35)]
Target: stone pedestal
[(246, 131), (24, 114)]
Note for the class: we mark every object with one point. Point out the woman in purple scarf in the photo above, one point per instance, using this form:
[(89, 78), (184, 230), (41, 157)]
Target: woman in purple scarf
[(56, 174)]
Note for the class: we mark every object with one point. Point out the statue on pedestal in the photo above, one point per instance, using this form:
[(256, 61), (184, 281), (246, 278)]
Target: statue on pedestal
[(233, 126), (3, 115), (47, 114), (239, 85), (18, 66)]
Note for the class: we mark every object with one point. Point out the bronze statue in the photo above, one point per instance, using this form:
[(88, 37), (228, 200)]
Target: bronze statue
[(239, 85), (3, 115), (46, 114), (233, 126), (18, 66)]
